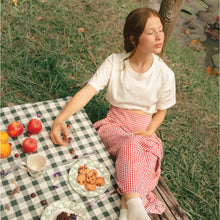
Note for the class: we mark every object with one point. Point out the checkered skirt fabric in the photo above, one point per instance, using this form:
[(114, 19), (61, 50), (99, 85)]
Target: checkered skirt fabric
[(137, 159)]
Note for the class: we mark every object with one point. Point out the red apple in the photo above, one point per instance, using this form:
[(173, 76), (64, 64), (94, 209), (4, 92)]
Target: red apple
[(34, 126), (29, 145), (15, 129)]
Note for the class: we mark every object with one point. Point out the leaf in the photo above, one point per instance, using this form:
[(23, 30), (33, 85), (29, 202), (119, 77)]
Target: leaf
[(194, 42), (7, 207), (16, 190), (209, 70), (186, 31), (196, 45), (89, 47), (217, 72), (15, 2), (82, 30), (10, 104)]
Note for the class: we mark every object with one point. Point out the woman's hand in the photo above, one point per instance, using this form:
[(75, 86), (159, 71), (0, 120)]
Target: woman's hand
[(155, 123), (57, 128), (143, 133), (78, 101)]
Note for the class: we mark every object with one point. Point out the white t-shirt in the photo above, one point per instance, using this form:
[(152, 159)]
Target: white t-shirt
[(150, 91)]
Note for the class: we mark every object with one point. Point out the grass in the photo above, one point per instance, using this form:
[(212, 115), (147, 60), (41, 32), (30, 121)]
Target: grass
[(50, 49), (45, 56), (191, 140)]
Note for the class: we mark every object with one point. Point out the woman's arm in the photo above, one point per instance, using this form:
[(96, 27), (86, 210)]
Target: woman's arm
[(154, 125), (79, 100)]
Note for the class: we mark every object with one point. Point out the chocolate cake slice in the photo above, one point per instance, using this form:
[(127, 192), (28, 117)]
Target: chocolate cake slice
[(66, 216)]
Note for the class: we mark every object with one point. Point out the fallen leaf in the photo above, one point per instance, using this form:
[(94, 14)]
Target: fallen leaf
[(194, 41), (82, 30), (216, 72), (196, 45), (7, 207), (186, 32), (15, 2), (209, 70), (39, 18), (10, 104), (89, 47), (16, 190)]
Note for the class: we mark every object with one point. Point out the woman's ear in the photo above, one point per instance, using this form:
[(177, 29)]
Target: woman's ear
[(132, 40)]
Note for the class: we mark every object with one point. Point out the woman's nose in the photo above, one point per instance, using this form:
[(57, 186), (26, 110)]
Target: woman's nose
[(159, 36)]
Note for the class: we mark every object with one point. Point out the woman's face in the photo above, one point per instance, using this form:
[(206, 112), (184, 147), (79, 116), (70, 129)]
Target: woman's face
[(152, 38)]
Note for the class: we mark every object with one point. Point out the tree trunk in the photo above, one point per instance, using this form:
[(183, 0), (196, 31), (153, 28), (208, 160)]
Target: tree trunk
[(169, 10), (155, 4)]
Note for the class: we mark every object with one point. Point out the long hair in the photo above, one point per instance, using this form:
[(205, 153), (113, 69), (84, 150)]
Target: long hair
[(134, 26)]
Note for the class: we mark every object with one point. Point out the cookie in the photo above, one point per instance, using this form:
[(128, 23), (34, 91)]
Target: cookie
[(91, 176), (91, 179), (92, 172), (81, 179), (90, 187), (83, 169), (100, 181)]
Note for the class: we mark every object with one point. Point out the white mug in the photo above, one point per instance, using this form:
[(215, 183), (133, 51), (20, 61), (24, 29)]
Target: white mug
[(36, 165)]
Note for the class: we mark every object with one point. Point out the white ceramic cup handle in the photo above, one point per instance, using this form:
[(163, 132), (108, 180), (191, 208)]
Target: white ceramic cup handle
[(23, 166)]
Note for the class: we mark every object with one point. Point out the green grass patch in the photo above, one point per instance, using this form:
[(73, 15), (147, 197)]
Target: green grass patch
[(50, 49), (190, 135)]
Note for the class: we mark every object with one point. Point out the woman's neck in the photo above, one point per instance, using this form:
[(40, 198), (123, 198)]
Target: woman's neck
[(141, 63)]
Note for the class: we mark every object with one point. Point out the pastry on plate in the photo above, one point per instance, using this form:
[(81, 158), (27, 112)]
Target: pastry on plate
[(66, 216)]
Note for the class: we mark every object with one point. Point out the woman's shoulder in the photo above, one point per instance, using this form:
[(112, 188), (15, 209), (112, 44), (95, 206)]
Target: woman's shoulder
[(114, 57), (163, 67)]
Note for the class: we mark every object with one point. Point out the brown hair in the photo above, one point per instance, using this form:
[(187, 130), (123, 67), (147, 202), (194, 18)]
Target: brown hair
[(134, 26)]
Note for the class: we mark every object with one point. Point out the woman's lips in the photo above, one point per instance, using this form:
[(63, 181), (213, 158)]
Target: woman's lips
[(159, 45)]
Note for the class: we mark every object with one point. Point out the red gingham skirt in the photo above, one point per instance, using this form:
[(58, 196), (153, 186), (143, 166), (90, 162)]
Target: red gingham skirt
[(137, 159)]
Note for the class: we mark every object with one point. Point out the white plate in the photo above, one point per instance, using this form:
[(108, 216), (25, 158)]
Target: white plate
[(53, 210), (92, 164)]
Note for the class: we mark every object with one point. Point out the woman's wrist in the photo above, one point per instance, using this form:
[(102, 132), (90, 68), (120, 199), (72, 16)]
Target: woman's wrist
[(149, 132), (59, 119)]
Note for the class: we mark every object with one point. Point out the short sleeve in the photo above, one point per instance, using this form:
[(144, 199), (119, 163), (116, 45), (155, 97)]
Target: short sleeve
[(168, 93), (101, 77)]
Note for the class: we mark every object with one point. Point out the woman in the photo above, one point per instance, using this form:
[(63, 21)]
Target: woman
[(140, 88)]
